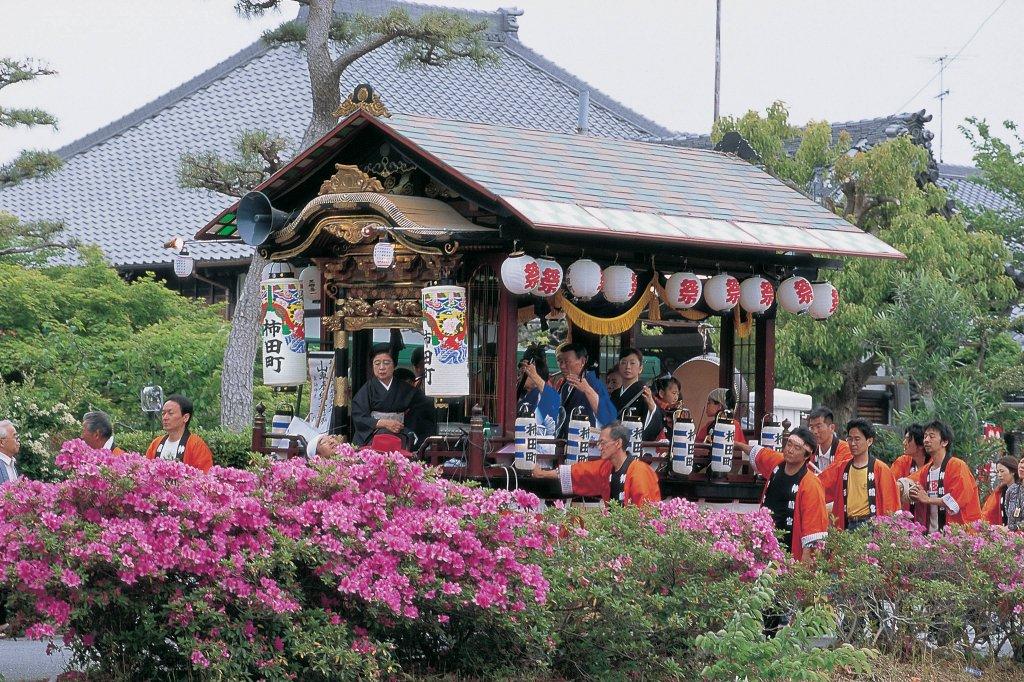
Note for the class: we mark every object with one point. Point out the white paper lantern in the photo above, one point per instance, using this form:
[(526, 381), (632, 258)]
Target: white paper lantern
[(184, 264), (722, 292), (550, 278), (309, 278), (796, 295), (826, 301), (619, 283), (520, 273), (684, 290), (283, 329), (584, 279), (756, 294), (383, 254)]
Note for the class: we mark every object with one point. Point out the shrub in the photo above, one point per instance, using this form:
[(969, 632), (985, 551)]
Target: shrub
[(153, 569), (229, 449)]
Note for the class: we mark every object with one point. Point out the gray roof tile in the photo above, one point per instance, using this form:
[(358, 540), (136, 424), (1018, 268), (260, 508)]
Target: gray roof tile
[(119, 189)]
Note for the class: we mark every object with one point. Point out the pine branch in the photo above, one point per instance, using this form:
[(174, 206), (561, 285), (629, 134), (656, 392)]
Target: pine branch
[(29, 164), (13, 71), (260, 155)]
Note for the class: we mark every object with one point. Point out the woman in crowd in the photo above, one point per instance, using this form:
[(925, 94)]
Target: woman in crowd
[(995, 510)]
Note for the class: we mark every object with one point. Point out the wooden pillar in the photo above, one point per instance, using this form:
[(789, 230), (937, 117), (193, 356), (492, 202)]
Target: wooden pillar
[(508, 342), (727, 353), (259, 429), (475, 449), (339, 422), (764, 369)]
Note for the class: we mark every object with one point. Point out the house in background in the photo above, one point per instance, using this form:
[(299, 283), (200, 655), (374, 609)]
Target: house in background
[(119, 187)]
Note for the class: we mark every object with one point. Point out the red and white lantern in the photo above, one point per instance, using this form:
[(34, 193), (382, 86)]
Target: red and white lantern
[(619, 283), (520, 273), (796, 295), (722, 292), (684, 290), (756, 294), (826, 301), (550, 278), (584, 279)]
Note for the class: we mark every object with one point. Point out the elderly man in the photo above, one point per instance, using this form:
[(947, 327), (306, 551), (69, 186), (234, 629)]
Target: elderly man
[(617, 475), (384, 404), (98, 433), (177, 443), (9, 446)]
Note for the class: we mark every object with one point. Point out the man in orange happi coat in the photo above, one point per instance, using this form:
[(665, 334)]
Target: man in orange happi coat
[(913, 458), (831, 448), (862, 487), (945, 490), (793, 493), (615, 476), (177, 443)]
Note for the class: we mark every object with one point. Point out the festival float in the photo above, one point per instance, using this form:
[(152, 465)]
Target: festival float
[(467, 233)]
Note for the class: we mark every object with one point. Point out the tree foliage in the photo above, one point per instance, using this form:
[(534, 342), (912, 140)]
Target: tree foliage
[(259, 156), (931, 319), (31, 243), (1002, 171), (30, 163)]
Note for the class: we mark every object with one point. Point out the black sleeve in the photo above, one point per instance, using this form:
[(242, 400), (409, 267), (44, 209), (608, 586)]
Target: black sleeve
[(363, 422)]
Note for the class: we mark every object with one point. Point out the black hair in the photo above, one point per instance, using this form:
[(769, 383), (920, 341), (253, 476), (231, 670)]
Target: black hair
[(862, 425), (804, 434), (578, 348), (183, 403), (822, 411), (915, 432), (1010, 463), (662, 383), (417, 356), (405, 374), (536, 354), (945, 433), (381, 349), (626, 352)]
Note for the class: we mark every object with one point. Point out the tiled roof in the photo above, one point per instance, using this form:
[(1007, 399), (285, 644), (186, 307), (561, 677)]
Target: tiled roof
[(616, 187), (956, 180), (119, 186)]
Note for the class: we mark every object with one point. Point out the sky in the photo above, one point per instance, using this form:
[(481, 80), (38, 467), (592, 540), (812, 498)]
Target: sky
[(826, 59)]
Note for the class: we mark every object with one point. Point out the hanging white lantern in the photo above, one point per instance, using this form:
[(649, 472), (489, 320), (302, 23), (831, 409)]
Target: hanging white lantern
[(796, 295), (550, 278), (756, 294), (619, 283), (684, 290), (309, 278), (584, 279), (520, 273), (384, 254), (722, 292), (184, 264), (283, 329), (826, 301)]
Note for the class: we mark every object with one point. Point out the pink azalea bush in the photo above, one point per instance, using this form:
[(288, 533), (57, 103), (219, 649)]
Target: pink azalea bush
[(149, 568)]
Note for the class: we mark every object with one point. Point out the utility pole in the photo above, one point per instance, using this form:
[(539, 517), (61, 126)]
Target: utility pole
[(718, 53), (943, 93)]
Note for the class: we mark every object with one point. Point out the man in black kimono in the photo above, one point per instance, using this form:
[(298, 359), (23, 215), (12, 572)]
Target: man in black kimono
[(634, 395), (386, 405)]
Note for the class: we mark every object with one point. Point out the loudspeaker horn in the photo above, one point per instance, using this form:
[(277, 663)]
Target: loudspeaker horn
[(257, 219)]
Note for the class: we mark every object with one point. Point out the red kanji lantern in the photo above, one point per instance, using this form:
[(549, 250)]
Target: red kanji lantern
[(826, 301), (756, 294), (584, 279), (684, 290), (796, 295), (520, 273), (550, 277), (722, 292), (619, 283)]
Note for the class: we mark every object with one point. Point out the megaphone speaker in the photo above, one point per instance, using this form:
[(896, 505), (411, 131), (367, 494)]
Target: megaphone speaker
[(257, 219)]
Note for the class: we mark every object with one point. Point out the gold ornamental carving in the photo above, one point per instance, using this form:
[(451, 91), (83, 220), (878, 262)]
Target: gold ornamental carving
[(348, 180), (363, 98)]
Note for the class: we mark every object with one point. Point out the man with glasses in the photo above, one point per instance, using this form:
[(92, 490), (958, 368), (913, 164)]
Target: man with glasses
[(617, 475), (9, 447), (793, 493), (384, 405), (862, 487)]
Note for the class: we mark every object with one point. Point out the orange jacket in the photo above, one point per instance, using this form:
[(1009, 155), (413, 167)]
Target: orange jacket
[(992, 510), (902, 467), (887, 495), (960, 484), (593, 479), (810, 518), (197, 452)]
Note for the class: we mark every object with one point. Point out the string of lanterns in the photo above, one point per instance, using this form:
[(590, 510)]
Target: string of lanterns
[(522, 274)]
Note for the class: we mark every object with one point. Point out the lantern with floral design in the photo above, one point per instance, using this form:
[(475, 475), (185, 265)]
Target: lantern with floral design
[(796, 295), (684, 290), (756, 294), (722, 292), (520, 273), (619, 283), (826, 301), (584, 279), (550, 278)]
